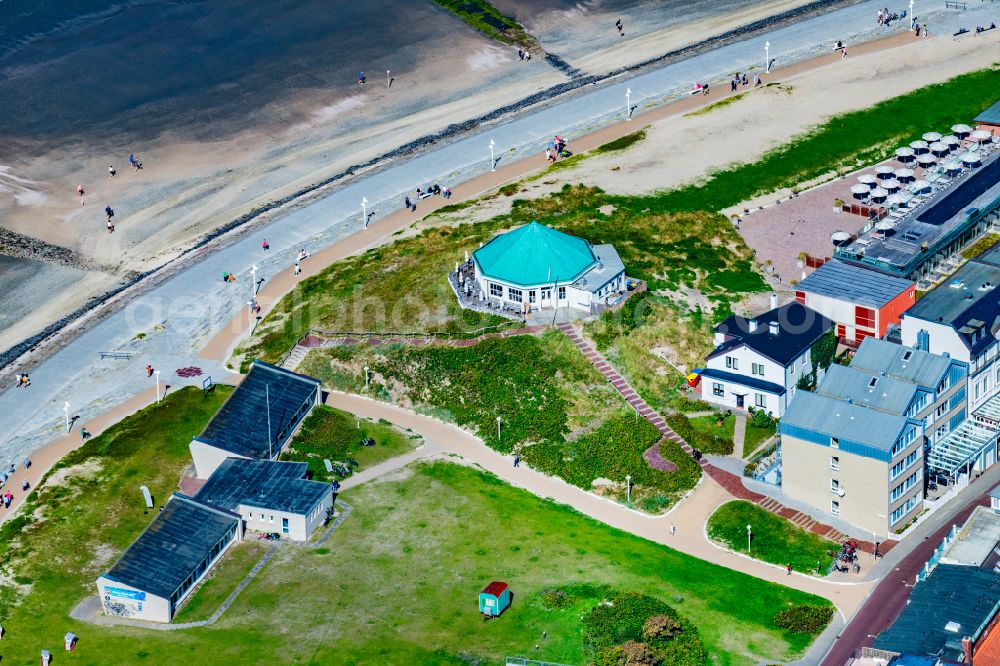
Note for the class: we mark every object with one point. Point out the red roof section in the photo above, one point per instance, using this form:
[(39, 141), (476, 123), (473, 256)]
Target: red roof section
[(988, 650), (496, 588)]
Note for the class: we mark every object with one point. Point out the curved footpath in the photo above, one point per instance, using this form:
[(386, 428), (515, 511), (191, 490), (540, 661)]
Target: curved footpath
[(689, 516)]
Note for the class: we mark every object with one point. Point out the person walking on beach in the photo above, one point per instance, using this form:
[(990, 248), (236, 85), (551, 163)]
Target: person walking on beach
[(111, 171), (80, 193), (109, 211), (361, 78), (111, 227)]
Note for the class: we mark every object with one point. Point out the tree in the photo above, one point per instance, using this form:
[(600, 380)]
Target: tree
[(661, 627)]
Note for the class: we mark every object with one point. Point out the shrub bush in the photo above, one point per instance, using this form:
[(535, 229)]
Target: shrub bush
[(637, 629), (804, 619)]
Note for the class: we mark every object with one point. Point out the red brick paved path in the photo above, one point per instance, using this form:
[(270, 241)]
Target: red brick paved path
[(727, 480)]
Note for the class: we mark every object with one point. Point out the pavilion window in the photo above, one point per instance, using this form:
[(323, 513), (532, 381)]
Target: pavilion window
[(562, 293), (515, 295), (496, 290), (531, 296), (547, 294)]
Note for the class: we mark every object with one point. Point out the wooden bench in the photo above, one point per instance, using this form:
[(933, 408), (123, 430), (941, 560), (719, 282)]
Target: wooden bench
[(952, 4), (117, 355)]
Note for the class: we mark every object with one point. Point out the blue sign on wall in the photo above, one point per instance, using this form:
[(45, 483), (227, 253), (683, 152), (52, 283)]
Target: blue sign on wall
[(124, 594)]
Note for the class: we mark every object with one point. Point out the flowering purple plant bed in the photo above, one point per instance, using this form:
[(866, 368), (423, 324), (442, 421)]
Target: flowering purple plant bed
[(656, 461)]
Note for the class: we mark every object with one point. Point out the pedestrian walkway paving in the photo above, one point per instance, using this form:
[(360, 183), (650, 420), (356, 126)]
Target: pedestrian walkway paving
[(739, 434), (731, 482)]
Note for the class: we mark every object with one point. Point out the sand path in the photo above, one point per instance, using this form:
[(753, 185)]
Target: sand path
[(689, 516)]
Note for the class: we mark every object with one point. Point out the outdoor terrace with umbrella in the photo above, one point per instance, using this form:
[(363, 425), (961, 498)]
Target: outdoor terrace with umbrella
[(931, 137), (904, 175), (919, 147), (884, 172), (961, 130), (860, 191), (905, 154), (939, 148)]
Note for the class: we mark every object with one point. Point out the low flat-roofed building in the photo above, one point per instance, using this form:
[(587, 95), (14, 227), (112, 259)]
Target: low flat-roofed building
[(859, 464), (945, 615), (861, 302), (164, 564), (989, 119), (257, 419), (270, 496), (975, 543), (951, 218)]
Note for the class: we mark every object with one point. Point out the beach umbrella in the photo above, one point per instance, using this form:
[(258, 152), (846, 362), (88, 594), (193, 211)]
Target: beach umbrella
[(891, 185), (930, 137), (919, 147), (920, 186), (961, 130), (839, 237), (904, 175), (859, 191), (867, 179), (904, 154), (884, 225), (951, 140), (884, 172), (898, 199), (926, 160), (879, 194), (981, 136), (970, 158), (951, 168), (939, 148)]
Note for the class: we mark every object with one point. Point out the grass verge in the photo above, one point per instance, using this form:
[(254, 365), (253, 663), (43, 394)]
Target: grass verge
[(335, 435), (775, 540), (221, 581)]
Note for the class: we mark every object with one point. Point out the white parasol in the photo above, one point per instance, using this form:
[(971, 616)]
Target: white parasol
[(884, 225), (926, 159), (919, 147), (981, 136), (867, 179), (891, 185), (930, 137), (961, 129), (920, 186), (904, 175), (970, 158)]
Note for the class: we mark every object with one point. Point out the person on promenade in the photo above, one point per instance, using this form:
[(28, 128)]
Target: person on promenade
[(756, 80), (149, 370), (789, 570), (298, 268), (673, 529), (84, 434), (409, 204), (265, 245), (517, 460)]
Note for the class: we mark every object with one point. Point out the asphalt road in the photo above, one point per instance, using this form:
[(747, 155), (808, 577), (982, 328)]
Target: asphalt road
[(889, 598)]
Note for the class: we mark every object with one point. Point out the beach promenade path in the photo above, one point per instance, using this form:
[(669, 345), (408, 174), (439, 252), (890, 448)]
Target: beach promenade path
[(183, 310)]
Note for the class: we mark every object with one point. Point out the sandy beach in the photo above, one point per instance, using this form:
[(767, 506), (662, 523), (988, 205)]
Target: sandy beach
[(248, 132)]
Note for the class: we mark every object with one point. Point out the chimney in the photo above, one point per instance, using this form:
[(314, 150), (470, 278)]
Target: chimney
[(967, 649), (774, 301), (752, 325), (774, 327)]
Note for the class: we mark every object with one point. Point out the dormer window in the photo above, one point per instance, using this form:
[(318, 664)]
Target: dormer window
[(907, 355), (873, 382)]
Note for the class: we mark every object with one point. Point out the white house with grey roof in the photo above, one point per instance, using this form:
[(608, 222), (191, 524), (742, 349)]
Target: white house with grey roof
[(961, 319), (758, 361), (860, 464)]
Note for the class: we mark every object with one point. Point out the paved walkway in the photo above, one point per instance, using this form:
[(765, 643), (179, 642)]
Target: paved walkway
[(727, 480), (739, 434), (689, 516)]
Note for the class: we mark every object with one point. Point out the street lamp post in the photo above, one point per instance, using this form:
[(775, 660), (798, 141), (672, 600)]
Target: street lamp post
[(253, 287), (767, 57), (912, 20), (498, 428), (364, 211), (628, 488), (66, 411), (366, 378), (628, 104), (749, 536), (157, 373), (493, 163)]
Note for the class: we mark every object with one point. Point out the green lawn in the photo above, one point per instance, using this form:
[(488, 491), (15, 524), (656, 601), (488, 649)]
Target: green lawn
[(755, 437), (397, 583), (335, 435), (557, 412), (708, 425), (221, 581), (775, 540)]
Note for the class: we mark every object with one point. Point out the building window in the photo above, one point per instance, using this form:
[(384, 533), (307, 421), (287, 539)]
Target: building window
[(864, 317), (718, 389), (249, 515), (835, 485), (284, 525), (531, 296), (834, 462), (261, 517), (907, 355), (496, 290), (562, 293), (760, 399), (834, 443), (270, 519), (732, 363), (547, 294), (514, 294), (835, 508), (758, 369)]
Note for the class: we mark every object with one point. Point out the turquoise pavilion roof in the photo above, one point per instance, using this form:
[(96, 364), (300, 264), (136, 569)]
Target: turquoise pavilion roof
[(534, 254)]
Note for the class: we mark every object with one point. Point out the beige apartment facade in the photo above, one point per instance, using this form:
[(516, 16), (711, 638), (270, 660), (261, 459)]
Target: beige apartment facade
[(860, 465)]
